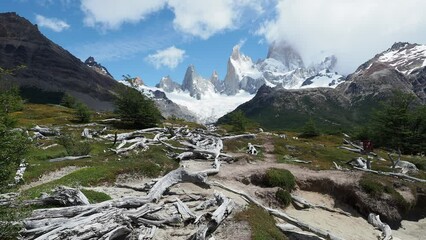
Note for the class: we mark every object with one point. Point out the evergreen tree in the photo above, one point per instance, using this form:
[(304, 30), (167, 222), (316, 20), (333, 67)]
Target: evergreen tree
[(400, 125), (13, 144), (135, 108), (238, 121), (310, 129)]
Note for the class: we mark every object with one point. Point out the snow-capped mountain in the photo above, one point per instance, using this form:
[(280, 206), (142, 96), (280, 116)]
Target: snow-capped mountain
[(402, 56), (90, 61), (196, 85), (209, 99)]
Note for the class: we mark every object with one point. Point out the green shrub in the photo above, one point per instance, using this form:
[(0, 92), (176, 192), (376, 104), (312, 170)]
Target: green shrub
[(82, 113), (68, 101), (94, 196), (283, 197), (74, 146), (372, 187), (280, 178), (310, 130)]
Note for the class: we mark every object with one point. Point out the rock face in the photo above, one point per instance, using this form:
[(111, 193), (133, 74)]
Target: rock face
[(195, 84), (168, 85), (402, 67), (90, 61), (167, 107), (48, 67)]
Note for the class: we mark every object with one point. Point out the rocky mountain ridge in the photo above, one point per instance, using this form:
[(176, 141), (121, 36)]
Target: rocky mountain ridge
[(282, 67), (402, 67), (49, 69)]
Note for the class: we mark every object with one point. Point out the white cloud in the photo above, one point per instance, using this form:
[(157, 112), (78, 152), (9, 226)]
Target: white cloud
[(353, 30), (206, 18), (170, 57), (111, 14), (53, 24), (194, 17)]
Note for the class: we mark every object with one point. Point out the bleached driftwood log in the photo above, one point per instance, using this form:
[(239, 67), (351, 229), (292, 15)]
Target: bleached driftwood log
[(374, 220), (45, 131), (86, 133), (19, 176), (251, 149), (69, 158), (246, 136), (282, 215), (290, 228), (61, 196), (129, 135), (359, 162), (140, 144), (351, 149), (404, 166), (216, 219), (399, 175), (50, 146), (105, 219)]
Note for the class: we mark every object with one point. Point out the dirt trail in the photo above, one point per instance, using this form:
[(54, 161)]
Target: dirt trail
[(51, 176)]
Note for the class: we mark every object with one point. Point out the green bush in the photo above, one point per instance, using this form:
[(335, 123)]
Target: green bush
[(283, 197), (372, 187), (280, 178), (68, 101), (74, 146), (82, 113)]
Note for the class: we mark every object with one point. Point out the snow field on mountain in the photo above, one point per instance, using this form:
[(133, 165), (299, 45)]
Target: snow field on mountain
[(211, 106)]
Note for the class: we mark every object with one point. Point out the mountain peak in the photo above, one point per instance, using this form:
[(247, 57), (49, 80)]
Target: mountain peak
[(91, 62), (286, 54)]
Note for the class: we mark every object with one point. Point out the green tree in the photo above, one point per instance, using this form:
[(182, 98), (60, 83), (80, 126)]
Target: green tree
[(238, 121), (399, 124), (13, 143), (310, 129), (391, 123), (82, 112), (136, 109), (68, 101)]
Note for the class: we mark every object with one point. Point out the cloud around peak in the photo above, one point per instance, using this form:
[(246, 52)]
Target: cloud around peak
[(352, 30), (170, 57), (53, 24)]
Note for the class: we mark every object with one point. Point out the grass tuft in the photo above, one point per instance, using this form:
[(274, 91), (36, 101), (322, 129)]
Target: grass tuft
[(280, 178), (261, 223), (94, 196)]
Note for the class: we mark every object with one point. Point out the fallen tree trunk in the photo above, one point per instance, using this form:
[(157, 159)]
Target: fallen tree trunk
[(374, 220), (61, 196), (246, 136), (108, 218), (69, 158), (282, 215), (216, 219), (400, 175)]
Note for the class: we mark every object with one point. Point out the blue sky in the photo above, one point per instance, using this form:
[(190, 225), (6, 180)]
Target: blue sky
[(155, 38), (125, 49)]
